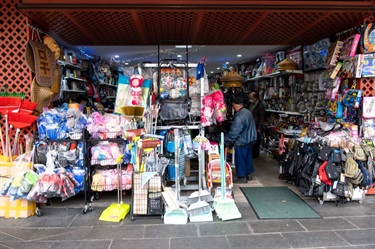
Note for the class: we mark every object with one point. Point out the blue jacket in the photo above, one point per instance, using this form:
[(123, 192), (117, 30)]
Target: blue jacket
[(242, 130)]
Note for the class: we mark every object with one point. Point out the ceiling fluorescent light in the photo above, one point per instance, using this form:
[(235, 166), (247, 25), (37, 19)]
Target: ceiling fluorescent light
[(239, 55), (183, 46), (117, 56), (179, 56)]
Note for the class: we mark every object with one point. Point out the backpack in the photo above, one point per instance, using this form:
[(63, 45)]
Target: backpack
[(323, 174), (331, 170), (341, 189), (366, 181), (359, 153), (351, 167)]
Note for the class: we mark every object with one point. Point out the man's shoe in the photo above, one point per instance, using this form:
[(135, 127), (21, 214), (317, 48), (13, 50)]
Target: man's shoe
[(240, 180), (249, 177)]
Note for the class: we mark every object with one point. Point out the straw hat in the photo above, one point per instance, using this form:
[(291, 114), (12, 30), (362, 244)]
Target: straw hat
[(41, 61), (287, 64), (52, 44), (41, 95)]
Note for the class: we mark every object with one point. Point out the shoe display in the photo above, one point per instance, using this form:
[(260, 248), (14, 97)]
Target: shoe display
[(240, 180), (249, 177)]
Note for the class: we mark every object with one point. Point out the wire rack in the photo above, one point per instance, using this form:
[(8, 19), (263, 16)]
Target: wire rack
[(146, 195)]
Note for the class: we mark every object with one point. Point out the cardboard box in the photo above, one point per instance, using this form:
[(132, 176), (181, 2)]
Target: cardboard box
[(187, 168), (16, 209)]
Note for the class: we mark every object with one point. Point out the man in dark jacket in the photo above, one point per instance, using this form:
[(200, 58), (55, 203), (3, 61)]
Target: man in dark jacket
[(259, 113), (242, 135)]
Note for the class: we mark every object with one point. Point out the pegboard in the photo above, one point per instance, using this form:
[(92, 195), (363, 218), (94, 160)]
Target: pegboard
[(367, 85), (15, 76)]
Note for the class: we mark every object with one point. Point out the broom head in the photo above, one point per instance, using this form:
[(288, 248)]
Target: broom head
[(21, 120), (8, 104), (27, 107)]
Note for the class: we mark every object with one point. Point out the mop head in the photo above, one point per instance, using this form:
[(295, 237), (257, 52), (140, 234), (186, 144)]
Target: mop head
[(205, 196), (200, 212), (115, 212)]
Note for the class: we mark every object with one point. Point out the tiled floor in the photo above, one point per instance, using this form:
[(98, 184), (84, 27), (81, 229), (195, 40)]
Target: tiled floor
[(62, 225)]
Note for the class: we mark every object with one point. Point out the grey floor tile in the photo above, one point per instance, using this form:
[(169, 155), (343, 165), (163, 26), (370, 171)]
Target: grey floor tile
[(98, 244), (77, 234), (201, 242), (6, 237), (359, 237), (171, 231), (326, 224), (266, 241), (116, 232), (329, 209), (355, 247), (92, 219), (246, 211), (28, 245), (314, 239), (363, 222), (275, 226), (8, 222), (51, 217), (19, 233), (45, 233), (223, 228), (140, 243)]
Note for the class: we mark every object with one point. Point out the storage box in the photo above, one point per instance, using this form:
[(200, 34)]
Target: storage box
[(16, 209)]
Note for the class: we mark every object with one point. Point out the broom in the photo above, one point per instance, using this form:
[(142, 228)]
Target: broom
[(19, 121), (200, 210), (8, 104), (201, 194), (225, 207)]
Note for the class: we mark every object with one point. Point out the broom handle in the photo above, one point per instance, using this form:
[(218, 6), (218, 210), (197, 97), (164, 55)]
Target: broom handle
[(2, 141), (15, 142), (6, 135), (200, 165), (222, 165)]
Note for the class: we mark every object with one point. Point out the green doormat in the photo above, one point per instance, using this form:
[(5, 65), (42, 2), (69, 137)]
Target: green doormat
[(277, 203)]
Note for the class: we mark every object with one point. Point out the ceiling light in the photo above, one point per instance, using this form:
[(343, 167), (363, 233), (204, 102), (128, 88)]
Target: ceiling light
[(239, 55), (211, 72), (126, 63), (183, 46), (218, 68), (227, 62), (117, 56), (179, 56)]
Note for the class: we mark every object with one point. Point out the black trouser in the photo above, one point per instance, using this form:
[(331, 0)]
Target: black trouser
[(256, 146)]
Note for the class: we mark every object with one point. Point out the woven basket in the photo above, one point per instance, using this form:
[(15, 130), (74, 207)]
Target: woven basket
[(232, 79)]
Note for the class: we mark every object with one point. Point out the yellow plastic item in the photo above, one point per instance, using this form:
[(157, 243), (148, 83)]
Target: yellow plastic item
[(115, 212)]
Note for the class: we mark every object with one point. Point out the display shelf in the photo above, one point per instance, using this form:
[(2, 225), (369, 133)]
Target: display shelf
[(106, 84), (66, 64), (285, 112), (73, 78), (272, 75), (73, 91)]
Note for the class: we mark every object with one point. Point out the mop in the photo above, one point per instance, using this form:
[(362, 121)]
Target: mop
[(200, 210), (224, 207), (174, 214), (116, 211)]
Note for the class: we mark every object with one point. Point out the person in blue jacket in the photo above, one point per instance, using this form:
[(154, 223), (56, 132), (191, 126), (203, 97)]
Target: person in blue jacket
[(242, 136)]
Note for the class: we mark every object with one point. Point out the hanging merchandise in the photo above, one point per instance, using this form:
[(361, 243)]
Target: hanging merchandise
[(367, 38)]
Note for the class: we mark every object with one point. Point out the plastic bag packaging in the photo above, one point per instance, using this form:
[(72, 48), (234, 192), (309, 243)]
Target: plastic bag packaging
[(79, 176), (35, 195), (23, 162)]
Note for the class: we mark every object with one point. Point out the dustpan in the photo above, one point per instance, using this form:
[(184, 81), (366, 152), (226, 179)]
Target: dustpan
[(174, 214), (225, 207), (116, 211)]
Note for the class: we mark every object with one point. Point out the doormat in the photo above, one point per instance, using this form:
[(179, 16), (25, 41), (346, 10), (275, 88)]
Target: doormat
[(278, 203)]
